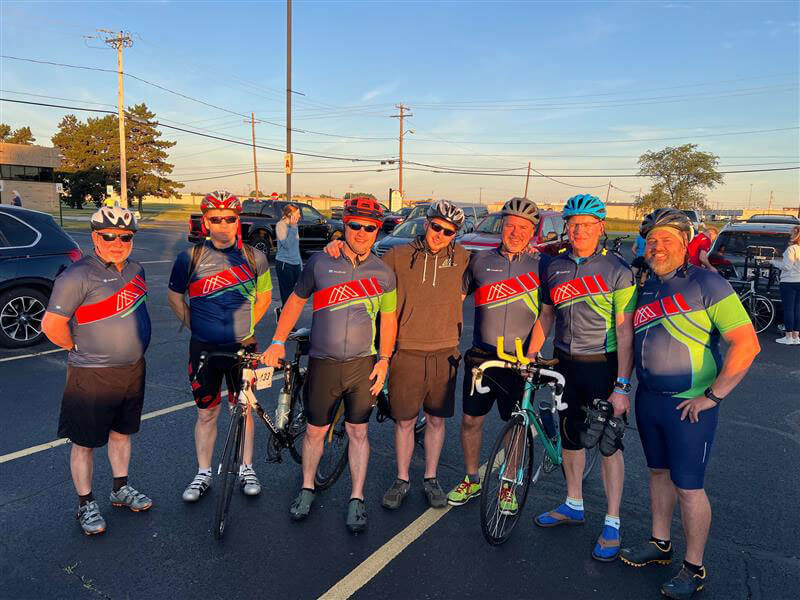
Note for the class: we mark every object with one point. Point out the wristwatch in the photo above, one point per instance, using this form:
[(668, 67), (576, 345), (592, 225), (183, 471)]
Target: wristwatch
[(384, 357), (709, 393), (622, 388)]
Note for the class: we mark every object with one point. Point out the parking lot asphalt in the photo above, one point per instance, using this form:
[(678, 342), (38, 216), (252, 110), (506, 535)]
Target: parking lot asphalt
[(414, 552)]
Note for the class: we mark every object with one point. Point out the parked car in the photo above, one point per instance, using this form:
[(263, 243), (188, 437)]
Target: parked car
[(259, 218), (34, 250), (394, 219), (402, 234), (473, 213), (729, 253), (487, 234), (694, 217), (789, 219)]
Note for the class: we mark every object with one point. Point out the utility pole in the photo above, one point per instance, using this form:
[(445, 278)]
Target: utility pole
[(480, 195), (527, 179), (255, 164), (749, 196), (289, 99), (120, 41), (401, 116), (769, 206), (608, 191)]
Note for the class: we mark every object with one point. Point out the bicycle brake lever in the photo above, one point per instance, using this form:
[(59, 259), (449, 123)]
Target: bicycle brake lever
[(477, 378)]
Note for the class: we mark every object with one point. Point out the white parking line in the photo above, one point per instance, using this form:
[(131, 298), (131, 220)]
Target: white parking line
[(20, 357)]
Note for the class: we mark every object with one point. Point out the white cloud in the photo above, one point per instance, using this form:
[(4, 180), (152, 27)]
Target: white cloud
[(379, 91)]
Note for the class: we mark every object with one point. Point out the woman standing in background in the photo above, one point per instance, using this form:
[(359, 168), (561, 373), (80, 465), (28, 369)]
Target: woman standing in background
[(790, 288), (287, 259)]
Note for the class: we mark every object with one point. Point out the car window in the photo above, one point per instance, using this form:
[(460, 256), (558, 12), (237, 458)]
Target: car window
[(309, 214), (736, 242), (491, 224), (409, 229), (16, 233), (548, 226), (418, 211)]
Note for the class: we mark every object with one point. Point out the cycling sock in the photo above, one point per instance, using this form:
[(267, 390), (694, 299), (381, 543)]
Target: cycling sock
[(612, 521), (206, 472), (85, 499), (694, 569), (664, 545), (575, 503), (308, 489), (119, 482), (243, 467), (473, 477)]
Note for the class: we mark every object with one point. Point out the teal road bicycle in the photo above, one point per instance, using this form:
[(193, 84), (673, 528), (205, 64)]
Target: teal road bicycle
[(512, 468)]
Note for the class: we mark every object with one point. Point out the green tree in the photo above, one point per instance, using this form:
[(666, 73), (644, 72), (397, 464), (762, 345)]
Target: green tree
[(22, 135), (680, 176), (349, 195)]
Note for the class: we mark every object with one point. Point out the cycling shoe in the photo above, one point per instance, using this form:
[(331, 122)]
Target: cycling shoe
[(596, 417), (613, 432)]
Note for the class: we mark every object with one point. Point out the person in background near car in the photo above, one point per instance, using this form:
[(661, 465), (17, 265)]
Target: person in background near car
[(288, 263), (17, 199), (700, 245), (790, 288), (97, 311)]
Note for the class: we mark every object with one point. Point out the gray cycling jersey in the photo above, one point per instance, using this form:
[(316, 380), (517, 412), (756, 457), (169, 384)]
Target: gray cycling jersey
[(108, 315)]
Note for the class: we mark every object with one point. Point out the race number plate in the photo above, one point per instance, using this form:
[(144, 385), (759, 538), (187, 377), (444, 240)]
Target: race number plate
[(264, 377)]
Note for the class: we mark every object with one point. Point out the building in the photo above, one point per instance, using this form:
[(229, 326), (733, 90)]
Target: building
[(30, 170)]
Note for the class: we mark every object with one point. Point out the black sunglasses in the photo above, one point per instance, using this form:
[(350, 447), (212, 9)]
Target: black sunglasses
[(218, 220), (123, 237), (439, 229), (359, 226)]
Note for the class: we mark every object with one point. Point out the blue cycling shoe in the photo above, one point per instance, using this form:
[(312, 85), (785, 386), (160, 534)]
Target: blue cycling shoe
[(562, 515), (607, 547)]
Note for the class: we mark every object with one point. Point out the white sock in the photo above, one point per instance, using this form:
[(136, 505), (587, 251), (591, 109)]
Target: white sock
[(612, 521), (574, 503), (206, 472), (243, 467)]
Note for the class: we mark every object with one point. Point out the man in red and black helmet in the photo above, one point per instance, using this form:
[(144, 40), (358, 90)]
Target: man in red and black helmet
[(229, 289)]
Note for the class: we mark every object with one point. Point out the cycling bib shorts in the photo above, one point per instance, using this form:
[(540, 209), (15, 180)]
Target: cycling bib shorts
[(328, 380), (505, 387)]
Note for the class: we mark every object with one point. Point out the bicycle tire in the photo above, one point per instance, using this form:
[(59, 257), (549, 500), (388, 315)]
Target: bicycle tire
[(419, 430), (761, 311), (497, 524), (228, 470), (334, 456), (297, 427)]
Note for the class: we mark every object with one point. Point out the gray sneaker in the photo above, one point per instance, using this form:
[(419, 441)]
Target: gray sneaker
[(436, 496), (133, 499), (199, 486), (395, 495), (356, 515), (90, 519), (302, 505), (249, 482)]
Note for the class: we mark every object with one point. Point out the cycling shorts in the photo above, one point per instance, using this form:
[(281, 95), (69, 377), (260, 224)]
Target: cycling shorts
[(505, 387), (587, 377), (328, 380), (206, 388), (418, 378), (98, 400), (682, 447)]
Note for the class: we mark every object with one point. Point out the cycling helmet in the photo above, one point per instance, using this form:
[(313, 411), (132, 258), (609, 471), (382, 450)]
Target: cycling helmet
[(522, 207), (113, 217), (220, 200), (442, 209), (667, 217), (584, 204), (362, 207)]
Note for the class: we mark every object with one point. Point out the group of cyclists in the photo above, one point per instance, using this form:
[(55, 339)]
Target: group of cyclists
[(604, 326)]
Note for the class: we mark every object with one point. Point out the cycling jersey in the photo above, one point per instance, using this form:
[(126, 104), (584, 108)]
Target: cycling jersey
[(701, 242), (108, 315), (587, 294), (507, 299), (222, 292), (677, 325), (347, 299)]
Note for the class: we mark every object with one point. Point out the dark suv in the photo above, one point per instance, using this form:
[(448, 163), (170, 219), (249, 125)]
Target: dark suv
[(33, 252)]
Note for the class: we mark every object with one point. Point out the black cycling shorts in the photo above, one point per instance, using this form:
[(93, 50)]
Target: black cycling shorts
[(206, 388), (98, 400), (506, 387), (329, 380), (587, 377), (419, 378)]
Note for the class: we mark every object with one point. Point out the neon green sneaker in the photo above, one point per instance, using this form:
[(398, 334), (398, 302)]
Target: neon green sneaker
[(463, 492), (508, 501)]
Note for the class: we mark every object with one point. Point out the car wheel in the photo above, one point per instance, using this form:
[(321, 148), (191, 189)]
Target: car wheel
[(21, 313), (261, 242)]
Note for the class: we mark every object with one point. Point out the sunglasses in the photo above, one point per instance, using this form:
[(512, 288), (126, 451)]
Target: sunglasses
[(218, 220), (439, 229), (123, 237), (359, 227)]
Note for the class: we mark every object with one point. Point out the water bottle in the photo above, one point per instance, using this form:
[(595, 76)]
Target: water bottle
[(282, 411), (546, 415)]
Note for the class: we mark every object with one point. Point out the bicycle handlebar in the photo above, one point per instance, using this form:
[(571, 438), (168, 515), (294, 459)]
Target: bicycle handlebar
[(520, 357), (557, 379)]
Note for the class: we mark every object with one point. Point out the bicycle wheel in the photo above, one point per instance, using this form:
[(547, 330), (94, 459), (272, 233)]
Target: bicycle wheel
[(334, 457), (506, 481), (761, 311), (419, 430), (228, 471), (297, 426)]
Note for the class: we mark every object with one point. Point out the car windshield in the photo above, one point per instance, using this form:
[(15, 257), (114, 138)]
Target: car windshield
[(418, 211), (252, 206), (490, 224), (736, 242), (409, 229)]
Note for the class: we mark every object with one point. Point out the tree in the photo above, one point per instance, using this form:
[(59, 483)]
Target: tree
[(681, 176), (22, 135), (90, 157), (349, 195)]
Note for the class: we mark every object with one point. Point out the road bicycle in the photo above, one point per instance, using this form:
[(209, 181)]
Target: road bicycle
[(285, 433), (759, 308), (511, 468)]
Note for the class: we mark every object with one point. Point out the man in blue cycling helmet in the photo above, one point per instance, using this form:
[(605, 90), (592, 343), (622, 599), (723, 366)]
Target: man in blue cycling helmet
[(590, 294)]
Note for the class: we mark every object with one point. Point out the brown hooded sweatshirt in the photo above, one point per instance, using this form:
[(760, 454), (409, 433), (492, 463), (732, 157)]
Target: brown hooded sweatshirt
[(429, 288)]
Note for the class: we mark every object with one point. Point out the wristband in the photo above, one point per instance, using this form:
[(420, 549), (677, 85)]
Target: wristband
[(622, 388), (384, 357), (709, 393), (623, 380), (280, 343)]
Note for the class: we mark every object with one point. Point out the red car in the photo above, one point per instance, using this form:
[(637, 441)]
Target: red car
[(487, 233)]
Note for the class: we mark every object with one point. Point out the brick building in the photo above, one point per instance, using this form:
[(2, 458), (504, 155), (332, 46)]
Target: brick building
[(30, 171)]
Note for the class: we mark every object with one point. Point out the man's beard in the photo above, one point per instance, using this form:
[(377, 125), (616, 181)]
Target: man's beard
[(662, 266)]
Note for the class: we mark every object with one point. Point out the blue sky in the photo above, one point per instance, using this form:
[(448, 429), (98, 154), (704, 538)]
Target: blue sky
[(570, 86)]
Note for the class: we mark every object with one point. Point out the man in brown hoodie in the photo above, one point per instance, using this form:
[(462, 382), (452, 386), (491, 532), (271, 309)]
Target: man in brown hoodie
[(423, 369)]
